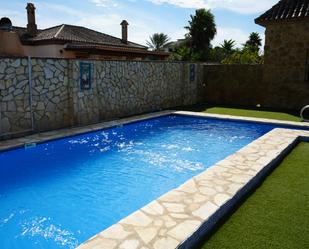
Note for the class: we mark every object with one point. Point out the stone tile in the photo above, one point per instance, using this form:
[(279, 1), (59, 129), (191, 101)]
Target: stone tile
[(153, 208), (147, 234), (174, 207), (158, 223), (206, 210), (115, 232), (193, 207), (184, 229), (200, 198), (221, 199), (234, 188), (189, 187), (207, 191), (138, 219), (163, 232), (174, 196), (129, 244), (179, 216), (169, 224), (240, 178), (164, 243), (99, 243)]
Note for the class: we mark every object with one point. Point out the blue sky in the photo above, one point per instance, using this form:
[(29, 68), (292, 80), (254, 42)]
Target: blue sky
[(234, 18)]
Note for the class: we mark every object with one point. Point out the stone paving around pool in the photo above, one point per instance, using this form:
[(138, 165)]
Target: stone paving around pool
[(180, 217)]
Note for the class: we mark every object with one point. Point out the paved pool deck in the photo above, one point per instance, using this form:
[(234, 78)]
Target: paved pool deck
[(179, 218)]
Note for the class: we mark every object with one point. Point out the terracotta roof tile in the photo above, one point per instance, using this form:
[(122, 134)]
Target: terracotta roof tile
[(285, 10), (68, 33)]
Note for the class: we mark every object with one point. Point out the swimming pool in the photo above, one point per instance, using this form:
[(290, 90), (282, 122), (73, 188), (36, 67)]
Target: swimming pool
[(60, 193)]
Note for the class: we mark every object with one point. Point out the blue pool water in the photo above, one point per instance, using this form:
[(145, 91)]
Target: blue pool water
[(60, 193)]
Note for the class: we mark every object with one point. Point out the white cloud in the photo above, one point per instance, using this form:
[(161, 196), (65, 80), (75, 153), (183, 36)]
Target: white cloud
[(106, 23), (183, 3), (227, 33), (17, 18), (58, 8), (104, 3), (47, 15), (240, 6), (140, 33)]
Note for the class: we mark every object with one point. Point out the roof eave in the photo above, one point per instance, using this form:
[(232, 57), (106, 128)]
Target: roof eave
[(264, 22), (260, 22), (43, 42), (115, 49)]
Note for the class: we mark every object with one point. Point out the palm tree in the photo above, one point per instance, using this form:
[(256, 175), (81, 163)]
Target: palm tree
[(255, 42), (202, 29), (228, 46), (158, 41)]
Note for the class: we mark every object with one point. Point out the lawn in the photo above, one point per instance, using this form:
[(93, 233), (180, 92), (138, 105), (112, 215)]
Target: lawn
[(246, 112), (276, 215)]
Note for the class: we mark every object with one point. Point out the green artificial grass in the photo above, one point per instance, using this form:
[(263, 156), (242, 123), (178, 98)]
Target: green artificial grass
[(246, 112), (276, 215)]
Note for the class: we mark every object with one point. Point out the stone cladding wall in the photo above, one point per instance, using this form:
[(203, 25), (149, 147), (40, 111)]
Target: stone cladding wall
[(287, 64), (53, 98)]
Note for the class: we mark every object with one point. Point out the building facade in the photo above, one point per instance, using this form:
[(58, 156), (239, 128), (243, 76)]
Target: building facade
[(69, 41), (286, 70)]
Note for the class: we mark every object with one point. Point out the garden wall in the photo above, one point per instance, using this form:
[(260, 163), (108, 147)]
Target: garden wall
[(236, 85), (54, 99), (275, 87), (43, 94)]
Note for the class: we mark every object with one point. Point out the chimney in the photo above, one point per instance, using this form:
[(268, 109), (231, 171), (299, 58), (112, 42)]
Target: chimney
[(31, 26), (124, 24)]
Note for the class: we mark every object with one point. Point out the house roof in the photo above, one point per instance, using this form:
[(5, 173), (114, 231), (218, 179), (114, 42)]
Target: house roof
[(65, 33), (285, 10)]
